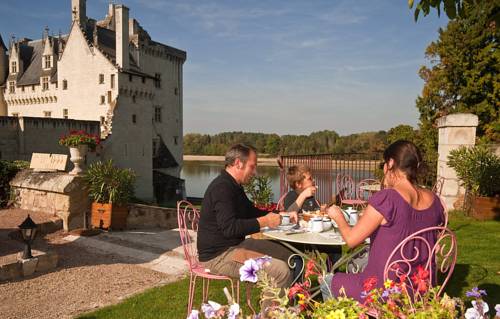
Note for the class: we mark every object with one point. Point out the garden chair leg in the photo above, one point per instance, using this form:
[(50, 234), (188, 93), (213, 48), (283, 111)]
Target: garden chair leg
[(248, 291), (192, 284)]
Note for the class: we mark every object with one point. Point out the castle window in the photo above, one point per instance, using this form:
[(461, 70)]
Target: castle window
[(176, 91), (12, 87), (155, 147), (158, 114), (15, 114), (133, 98), (101, 78), (65, 84), (112, 81), (45, 83), (47, 114), (157, 80), (176, 140), (47, 60), (134, 118), (103, 99), (32, 88), (22, 88), (102, 120), (130, 77), (143, 80), (65, 113), (109, 96), (14, 66)]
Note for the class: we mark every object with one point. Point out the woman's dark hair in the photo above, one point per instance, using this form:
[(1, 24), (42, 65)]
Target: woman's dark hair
[(407, 158)]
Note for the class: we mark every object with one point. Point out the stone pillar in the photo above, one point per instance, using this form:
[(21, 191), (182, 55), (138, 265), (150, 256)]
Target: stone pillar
[(455, 130)]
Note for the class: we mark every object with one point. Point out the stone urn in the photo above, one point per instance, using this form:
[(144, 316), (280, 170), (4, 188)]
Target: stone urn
[(78, 158)]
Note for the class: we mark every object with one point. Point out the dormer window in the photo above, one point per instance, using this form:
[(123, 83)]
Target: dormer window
[(47, 61), (12, 87), (14, 67)]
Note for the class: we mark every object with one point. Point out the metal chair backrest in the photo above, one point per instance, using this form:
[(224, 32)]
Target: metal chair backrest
[(438, 258), (438, 186), (188, 218), (346, 188)]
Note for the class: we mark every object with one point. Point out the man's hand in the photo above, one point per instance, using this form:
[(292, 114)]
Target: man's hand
[(270, 220), (294, 216)]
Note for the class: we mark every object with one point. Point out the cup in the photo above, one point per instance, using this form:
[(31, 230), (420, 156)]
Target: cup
[(353, 215), (327, 223), (285, 219), (317, 225)]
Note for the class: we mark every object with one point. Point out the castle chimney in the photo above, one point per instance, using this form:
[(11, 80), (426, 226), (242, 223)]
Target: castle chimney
[(122, 39), (79, 11)]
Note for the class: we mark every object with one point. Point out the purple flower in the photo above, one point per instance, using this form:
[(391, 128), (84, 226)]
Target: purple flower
[(395, 290), (364, 294), (210, 309), (385, 294), (261, 261), (497, 309), (475, 293), (234, 311), (248, 272), (193, 315), (478, 311)]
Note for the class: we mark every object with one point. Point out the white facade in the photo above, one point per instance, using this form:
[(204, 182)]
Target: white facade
[(108, 71)]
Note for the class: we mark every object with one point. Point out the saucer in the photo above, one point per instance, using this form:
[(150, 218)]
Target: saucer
[(286, 227)]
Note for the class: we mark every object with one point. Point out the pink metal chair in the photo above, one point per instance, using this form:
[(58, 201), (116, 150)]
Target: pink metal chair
[(188, 217), (346, 188), (280, 206), (438, 186), (440, 258)]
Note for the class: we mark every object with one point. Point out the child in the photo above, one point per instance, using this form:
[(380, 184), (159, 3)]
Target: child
[(301, 197)]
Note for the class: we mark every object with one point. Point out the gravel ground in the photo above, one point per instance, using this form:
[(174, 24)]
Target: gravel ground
[(84, 280)]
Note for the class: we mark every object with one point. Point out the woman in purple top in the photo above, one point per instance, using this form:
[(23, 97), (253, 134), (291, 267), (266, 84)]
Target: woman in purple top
[(392, 214)]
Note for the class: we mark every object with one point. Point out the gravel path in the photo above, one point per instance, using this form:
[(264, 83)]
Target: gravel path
[(84, 280)]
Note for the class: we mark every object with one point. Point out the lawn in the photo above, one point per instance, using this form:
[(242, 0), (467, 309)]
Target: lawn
[(478, 264)]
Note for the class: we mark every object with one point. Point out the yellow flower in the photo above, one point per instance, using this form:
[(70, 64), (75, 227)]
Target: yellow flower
[(388, 284), (337, 314), (447, 302)]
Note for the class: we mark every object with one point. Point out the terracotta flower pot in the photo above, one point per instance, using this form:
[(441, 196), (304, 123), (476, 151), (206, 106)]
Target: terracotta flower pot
[(486, 208), (109, 216)]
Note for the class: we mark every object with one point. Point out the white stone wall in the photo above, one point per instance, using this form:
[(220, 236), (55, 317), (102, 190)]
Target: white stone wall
[(455, 130)]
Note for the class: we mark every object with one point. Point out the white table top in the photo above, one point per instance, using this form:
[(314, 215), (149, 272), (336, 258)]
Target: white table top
[(329, 237)]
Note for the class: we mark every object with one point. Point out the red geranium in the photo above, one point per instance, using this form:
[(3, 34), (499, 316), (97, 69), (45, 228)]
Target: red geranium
[(311, 269), (369, 283), (420, 279)]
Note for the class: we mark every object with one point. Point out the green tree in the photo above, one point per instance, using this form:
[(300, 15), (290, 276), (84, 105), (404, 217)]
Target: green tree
[(452, 8), (401, 132)]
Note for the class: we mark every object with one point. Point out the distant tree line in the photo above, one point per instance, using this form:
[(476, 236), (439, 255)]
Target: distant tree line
[(321, 142)]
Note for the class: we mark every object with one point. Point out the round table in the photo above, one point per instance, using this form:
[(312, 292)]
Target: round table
[(371, 188)]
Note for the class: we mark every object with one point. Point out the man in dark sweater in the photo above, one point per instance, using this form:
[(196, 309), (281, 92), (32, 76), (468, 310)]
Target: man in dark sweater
[(228, 216)]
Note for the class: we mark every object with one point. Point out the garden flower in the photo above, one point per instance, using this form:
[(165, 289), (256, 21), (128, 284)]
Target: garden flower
[(497, 309), (234, 311), (310, 269), (263, 261), (388, 284), (193, 315), (478, 310), (248, 272), (337, 314), (298, 288), (369, 283), (210, 309), (475, 293), (420, 279)]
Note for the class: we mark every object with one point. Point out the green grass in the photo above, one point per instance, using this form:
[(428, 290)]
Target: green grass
[(478, 264)]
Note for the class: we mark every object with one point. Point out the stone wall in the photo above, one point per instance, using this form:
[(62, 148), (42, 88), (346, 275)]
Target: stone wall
[(22, 136), (144, 216), (60, 194)]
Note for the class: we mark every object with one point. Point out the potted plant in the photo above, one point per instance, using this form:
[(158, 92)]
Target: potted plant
[(260, 191), (79, 142), (479, 171), (110, 189)]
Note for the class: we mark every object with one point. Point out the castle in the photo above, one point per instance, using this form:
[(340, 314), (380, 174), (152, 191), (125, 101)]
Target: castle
[(108, 71)]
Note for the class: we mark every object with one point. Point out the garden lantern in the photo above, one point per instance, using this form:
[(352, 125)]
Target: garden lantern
[(28, 230)]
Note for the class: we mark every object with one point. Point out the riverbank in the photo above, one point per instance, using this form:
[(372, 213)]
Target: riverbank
[(263, 161)]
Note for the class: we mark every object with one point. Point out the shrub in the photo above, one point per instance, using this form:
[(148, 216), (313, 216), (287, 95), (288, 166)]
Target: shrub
[(478, 169), (8, 169), (107, 183), (260, 191)]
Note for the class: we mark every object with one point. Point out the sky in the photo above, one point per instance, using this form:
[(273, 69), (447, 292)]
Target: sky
[(280, 66)]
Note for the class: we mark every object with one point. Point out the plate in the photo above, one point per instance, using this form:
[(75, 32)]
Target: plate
[(286, 227)]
